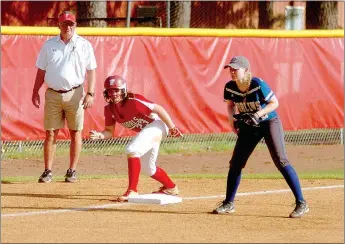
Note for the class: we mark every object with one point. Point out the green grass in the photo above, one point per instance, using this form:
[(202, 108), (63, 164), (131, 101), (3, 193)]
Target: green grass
[(189, 147), (165, 149), (334, 175), (190, 143)]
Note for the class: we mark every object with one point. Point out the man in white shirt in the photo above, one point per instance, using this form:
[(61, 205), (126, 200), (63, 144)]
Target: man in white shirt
[(62, 64)]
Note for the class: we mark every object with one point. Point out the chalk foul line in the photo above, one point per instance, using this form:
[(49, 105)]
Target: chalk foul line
[(106, 206)]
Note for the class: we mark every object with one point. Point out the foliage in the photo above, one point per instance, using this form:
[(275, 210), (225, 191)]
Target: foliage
[(322, 15)]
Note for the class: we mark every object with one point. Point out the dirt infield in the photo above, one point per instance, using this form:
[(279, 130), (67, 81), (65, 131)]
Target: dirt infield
[(84, 213)]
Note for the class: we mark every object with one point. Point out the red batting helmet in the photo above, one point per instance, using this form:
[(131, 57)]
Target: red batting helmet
[(115, 89)]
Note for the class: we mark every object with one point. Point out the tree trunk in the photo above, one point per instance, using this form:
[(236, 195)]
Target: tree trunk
[(266, 18), (92, 14), (322, 15), (180, 14)]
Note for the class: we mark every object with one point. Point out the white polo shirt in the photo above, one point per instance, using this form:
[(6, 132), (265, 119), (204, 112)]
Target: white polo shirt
[(66, 64)]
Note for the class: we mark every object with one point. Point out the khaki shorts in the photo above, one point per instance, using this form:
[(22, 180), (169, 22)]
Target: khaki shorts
[(61, 106)]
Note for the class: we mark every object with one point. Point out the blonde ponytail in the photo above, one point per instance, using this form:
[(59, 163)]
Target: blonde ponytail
[(247, 77)]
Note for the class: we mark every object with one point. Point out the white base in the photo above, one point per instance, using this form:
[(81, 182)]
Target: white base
[(155, 199)]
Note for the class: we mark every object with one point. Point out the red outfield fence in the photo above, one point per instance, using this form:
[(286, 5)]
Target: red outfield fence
[(185, 75)]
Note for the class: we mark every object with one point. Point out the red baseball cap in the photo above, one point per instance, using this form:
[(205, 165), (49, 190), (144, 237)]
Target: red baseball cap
[(67, 16)]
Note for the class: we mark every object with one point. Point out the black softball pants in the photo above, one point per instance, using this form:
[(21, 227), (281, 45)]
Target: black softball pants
[(248, 137)]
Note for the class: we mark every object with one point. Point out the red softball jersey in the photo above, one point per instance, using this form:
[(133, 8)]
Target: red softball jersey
[(135, 112)]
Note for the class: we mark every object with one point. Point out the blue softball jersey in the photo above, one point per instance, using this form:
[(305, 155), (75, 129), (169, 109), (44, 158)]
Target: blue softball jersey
[(254, 99)]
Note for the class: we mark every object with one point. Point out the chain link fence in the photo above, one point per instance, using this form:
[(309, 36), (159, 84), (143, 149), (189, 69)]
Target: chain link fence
[(205, 14), (188, 144), (226, 14)]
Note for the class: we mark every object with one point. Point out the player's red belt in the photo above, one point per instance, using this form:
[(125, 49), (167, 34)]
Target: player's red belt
[(65, 91)]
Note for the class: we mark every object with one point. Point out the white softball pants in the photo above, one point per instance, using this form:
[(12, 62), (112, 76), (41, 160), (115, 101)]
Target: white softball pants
[(145, 145)]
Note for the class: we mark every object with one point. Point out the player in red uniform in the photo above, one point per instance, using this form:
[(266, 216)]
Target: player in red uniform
[(152, 122)]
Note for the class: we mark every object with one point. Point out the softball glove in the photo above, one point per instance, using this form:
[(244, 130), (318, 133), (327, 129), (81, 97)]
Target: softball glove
[(250, 119)]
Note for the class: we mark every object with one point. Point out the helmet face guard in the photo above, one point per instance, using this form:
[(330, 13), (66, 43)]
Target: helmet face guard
[(115, 89)]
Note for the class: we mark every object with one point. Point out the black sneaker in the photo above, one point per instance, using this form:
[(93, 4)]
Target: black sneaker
[(300, 209), (225, 207), (71, 176), (46, 176)]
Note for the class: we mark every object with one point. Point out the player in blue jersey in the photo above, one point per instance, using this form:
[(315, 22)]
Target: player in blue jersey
[(251, 106)]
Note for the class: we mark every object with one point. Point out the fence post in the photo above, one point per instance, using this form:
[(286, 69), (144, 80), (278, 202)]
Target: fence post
[(168, 13), (128, 17), (294, 18)]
